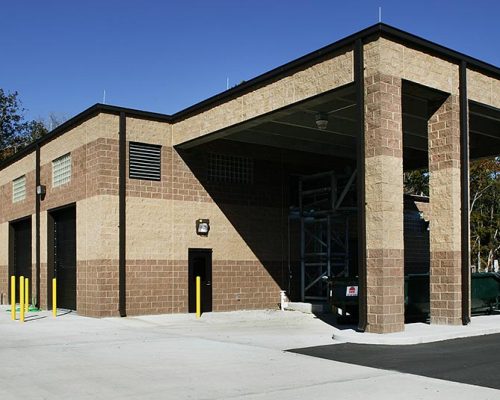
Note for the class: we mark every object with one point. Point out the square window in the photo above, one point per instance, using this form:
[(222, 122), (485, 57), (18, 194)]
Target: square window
[(19, 189), (61, 170)]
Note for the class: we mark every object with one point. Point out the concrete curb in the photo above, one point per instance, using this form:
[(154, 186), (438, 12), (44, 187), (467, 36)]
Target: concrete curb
[(422, 333)]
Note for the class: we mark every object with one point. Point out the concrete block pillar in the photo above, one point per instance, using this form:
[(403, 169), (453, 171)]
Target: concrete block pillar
[(445, 224), (384, 204)]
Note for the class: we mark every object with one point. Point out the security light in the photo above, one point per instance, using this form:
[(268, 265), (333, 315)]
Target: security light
[(40, 190), (321, 120), (202, 227)]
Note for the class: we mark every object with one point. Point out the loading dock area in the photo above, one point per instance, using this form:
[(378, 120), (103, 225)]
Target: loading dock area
[(297, 175), (235, 354)]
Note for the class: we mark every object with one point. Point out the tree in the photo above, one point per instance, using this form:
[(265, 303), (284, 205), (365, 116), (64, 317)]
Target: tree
[(15, 131), (484, 207), (485, 212), (416, 182), (11, 120)]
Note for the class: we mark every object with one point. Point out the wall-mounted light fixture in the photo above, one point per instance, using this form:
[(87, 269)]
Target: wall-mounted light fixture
[(322, 120), (41, 190), (202, 227)]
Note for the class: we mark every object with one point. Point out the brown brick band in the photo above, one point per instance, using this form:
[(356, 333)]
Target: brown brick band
[(446, 287), (385, 279), (97, 288), (161, 286), (95, 172), (12, 211)]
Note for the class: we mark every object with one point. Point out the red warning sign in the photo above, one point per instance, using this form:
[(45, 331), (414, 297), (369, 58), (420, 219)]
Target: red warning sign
[(351, 291)]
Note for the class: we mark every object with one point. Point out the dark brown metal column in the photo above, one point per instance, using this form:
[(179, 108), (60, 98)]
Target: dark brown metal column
[(464, 192), (359, 80), (122, 153), (37, 224)]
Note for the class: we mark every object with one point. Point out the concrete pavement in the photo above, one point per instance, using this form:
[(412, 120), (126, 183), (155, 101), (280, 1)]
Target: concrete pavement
[(222, 356)]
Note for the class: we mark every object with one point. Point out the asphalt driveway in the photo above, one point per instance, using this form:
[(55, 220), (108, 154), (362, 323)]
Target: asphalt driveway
[(474, 360)]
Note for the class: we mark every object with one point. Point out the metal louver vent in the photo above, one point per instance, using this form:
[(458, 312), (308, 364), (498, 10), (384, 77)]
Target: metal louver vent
[(144, 161)]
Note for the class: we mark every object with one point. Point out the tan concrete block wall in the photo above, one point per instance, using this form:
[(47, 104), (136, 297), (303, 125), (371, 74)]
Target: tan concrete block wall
[(97, 228), (100, 126), (149, 234), (334, 71), (19, 168), (165, 229), (424, 208), (445, 204), (395, 59), (146, 131), (224, 238), (483, 89), (384, 203)]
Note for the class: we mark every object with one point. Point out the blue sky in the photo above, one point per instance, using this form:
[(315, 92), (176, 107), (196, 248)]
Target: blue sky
[(164, 56)]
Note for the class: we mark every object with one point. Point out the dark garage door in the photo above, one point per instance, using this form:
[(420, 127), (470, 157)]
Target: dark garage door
[(64, 256), (20, 264)]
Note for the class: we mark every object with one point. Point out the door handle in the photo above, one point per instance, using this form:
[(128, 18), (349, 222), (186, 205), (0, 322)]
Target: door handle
[(208, 283)]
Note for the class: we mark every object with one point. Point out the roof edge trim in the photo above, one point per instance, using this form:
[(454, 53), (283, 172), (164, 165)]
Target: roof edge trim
[(79, 118)]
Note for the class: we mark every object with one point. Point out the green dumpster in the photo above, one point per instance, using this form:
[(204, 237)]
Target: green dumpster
[(485, 292), (344, 294), (485, 295)]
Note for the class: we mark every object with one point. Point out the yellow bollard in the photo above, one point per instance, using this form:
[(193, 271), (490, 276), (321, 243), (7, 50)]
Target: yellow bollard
[(13, 297), (21, 298), (198, 297), (54, 297), (26, 295)]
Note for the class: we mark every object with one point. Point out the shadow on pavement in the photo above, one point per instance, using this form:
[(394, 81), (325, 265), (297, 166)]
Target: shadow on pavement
[(474, 360), (337, 321)]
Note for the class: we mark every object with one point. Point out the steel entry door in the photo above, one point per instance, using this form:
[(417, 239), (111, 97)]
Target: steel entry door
[(21, 253), (65, 257), (200, 264)]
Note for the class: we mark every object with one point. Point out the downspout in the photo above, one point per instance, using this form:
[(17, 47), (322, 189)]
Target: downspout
[(122, 164), (464, 192), (37, 225), (359, 79)]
